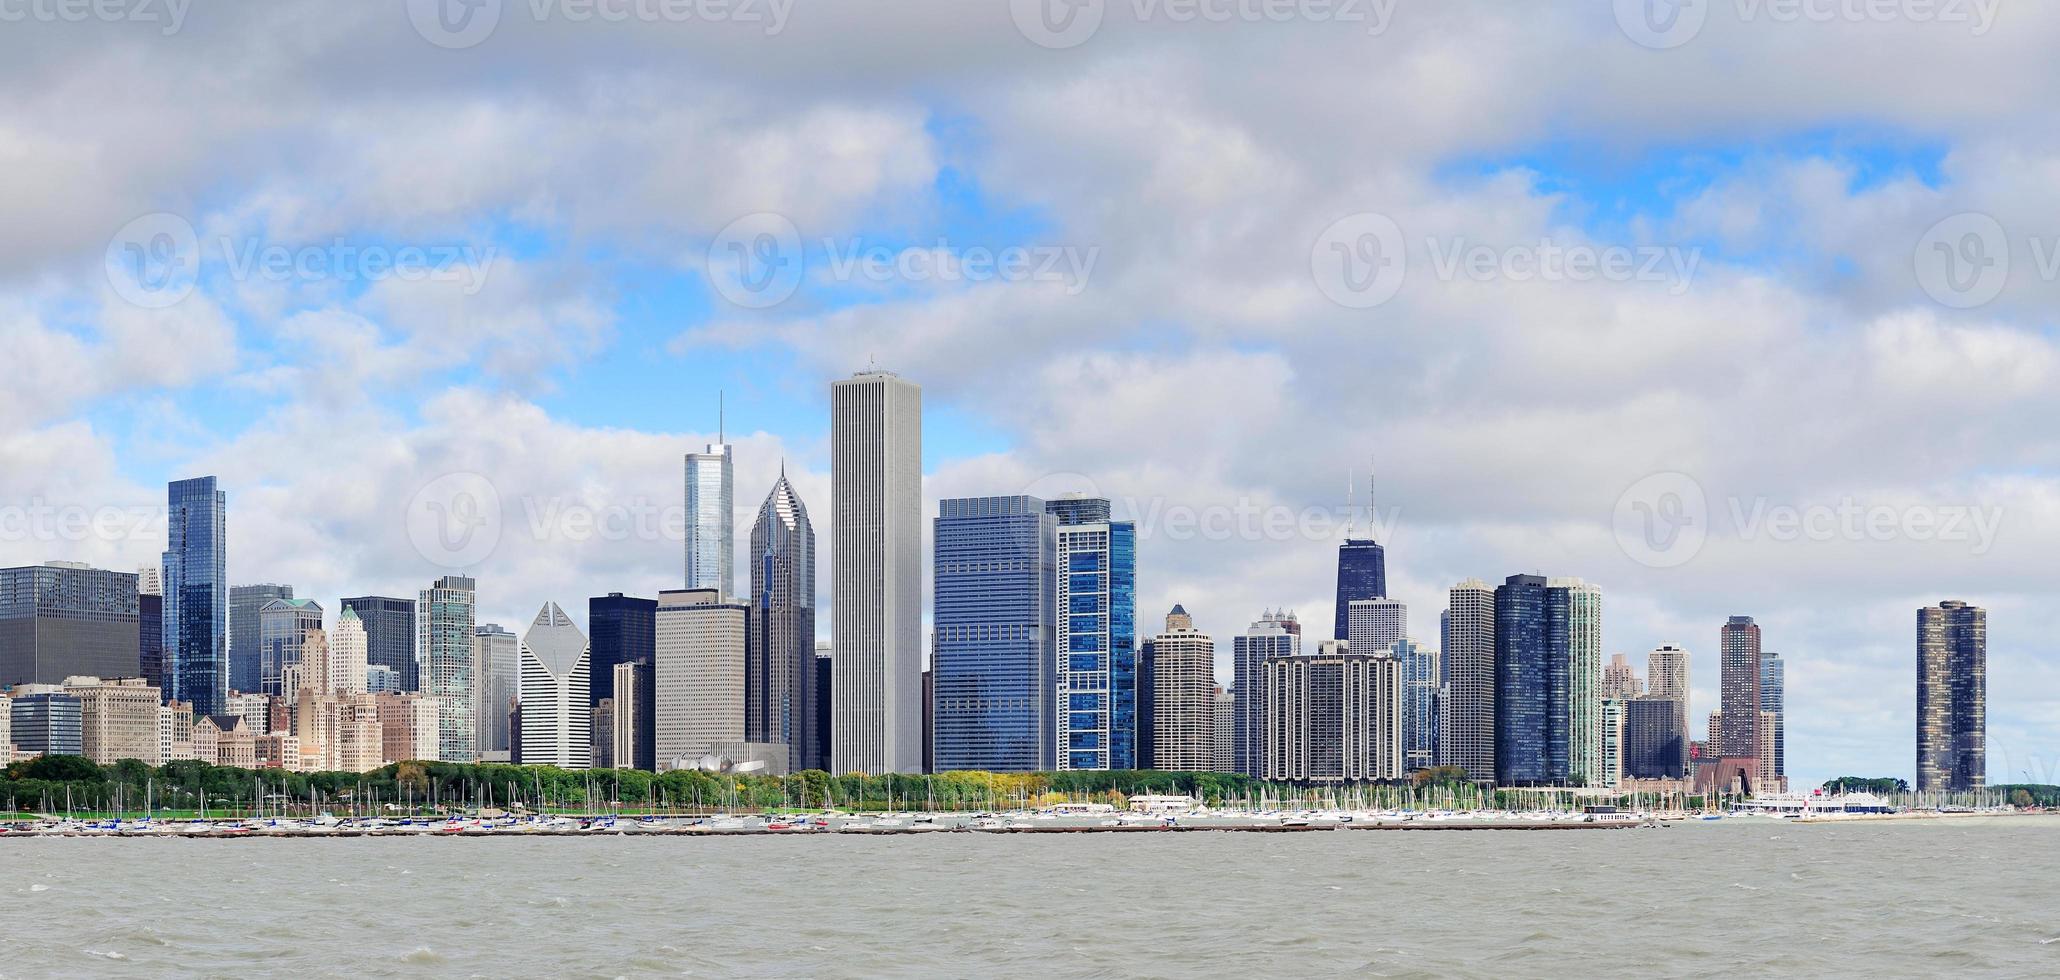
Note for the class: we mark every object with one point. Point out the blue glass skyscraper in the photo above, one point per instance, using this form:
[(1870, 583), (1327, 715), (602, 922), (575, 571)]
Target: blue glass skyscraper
[(1362, 574), (993, 656), (1523, 682), (1096, 687), (1773, 697), (621, 629), (196, 594)]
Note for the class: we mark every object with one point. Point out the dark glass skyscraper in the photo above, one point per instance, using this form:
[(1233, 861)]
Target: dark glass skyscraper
[(63, 618), (1773, 698), (622, 629), (780, 689), (1362, 574), (245, 644), (1523, 681), (993, 659), (196, 613), (1952, 698), (389, 635), (150, 639)]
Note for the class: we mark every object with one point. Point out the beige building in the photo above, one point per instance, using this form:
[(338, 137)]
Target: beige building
[(407, 723), (1182, 661), (1332, 716), (698, 675), (175, 732), (118, 719)]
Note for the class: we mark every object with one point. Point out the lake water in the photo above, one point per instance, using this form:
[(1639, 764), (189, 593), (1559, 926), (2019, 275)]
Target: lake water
[(1732, 899)]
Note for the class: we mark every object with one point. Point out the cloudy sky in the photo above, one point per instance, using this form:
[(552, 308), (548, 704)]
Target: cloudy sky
[(1729, 306)]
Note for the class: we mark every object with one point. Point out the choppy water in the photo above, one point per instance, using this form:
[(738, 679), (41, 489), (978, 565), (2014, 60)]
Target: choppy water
[(1733, 899)]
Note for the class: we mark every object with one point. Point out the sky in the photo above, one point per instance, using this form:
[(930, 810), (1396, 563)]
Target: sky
[(1728, 307)]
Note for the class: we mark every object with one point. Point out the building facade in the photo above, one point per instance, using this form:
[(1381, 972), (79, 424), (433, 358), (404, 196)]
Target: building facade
[(1773, 701), (497, 682), (62, 618), (622, 629), (444, 622), (993, 658), (1094, 688), (1952, 698), (780, 683), (1332, 716), (1362, 574), (196, 614), (44, 720), (1469, 728), (1738, 663), (1655, 738), (1182, 661), (283, 626), (877, 573), (1274, 634), (557, 711), (1421, 690), (711, 519), (118, 719), (246, 638), (390, 636), (634, 718), (1372, 625), (699, 675)]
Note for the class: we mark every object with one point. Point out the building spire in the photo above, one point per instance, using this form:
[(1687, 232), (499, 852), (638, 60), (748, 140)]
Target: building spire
[(720, 435)]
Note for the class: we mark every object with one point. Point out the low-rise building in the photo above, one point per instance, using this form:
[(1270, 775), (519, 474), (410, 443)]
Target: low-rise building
[(118, 719)]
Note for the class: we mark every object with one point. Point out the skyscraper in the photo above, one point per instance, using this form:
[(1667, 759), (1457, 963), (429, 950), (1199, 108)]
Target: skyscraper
[(390, 636), (64, 618), (1655, 738), (1620, 680), (622, 629), (1738, 661), (1469, 730), (1420, 692), (1224, 757), (196, 615), (1373, 625), (1952, 698), (1269, 636), (444, 621), (1362, 574), (557, 714), (346, 665), (1095, 687), (283, 626), (1666, 677), (246, 645), (497, 680), (877, 573), (780, 681), (1332, 716), (698, 677), (150, 638), (1548, 663), (993, 665), (1183, 710), (1773, 701), (635, 713), (711, 518)]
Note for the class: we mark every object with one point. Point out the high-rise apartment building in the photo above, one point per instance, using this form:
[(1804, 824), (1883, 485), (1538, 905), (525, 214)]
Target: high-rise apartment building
[(876, 434), (782, 700), (246, 639), (698, 675), (1582, 664), (1182, 661), (445, 615), (1332, 716), (1468, 732), (1420, 710), (1655, 738), (390, 636), (1620, 680), (62, 618), (1952, 698), (711, 519), (993, 663), (557, 713), (1548, 639), (1666, 677), (497, 682), (196, 614), (1095, 687), (1610, 759), (1225, 755), (1275, 634)]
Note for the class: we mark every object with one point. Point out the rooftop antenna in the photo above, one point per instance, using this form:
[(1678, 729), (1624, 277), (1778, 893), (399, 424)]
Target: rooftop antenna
[(1351, 508), (1372, 516), (719, 430)]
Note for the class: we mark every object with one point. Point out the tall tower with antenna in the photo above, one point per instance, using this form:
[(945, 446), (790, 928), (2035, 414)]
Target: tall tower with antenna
[(1362, 563), (711, 514)]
